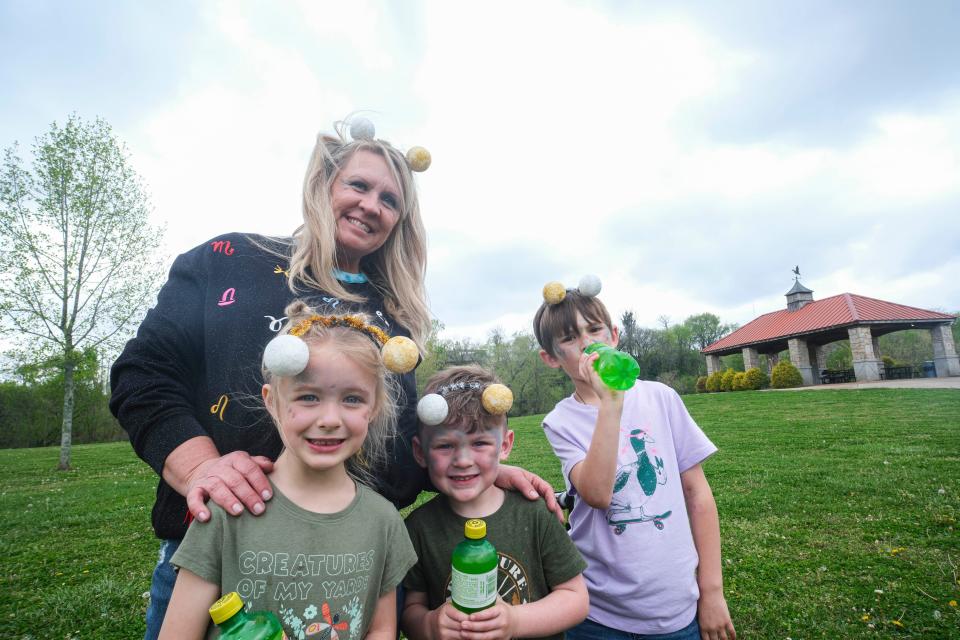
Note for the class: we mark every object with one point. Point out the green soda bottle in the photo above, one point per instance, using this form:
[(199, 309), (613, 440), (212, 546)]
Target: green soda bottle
[(236, 624), (473, 584), (617, 369)]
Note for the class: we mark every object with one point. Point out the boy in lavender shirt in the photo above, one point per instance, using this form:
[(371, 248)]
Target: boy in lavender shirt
[(644, 517)]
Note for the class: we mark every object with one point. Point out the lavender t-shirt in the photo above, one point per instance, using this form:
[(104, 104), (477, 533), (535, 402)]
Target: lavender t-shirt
[(641, 560)]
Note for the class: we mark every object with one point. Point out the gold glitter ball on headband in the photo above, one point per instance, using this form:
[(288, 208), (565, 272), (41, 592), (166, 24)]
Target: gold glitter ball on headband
[(419, 159), (400, 354), (554, 292), (497, 399)]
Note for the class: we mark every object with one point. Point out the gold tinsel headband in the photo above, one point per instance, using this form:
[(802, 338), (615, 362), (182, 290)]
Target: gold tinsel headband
[(379, 335)]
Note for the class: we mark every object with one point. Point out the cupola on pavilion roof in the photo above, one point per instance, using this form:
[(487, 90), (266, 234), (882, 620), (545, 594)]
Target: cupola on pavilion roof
[(836, 313)]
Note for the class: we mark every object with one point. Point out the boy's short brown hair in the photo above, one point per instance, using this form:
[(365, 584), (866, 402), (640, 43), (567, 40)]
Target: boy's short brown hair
[(465, 406), (554, 321)]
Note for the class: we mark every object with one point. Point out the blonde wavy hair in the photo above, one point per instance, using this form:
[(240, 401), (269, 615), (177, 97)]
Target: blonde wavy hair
[(397, 269), (361, 349)]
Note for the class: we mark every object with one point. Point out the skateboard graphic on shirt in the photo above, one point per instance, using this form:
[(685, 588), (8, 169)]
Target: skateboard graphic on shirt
[(648, 475)]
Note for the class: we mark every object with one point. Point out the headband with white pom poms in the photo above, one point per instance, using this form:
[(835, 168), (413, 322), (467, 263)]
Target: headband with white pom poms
[(554, 292), (418, 158), (287, 355), (433, 409)]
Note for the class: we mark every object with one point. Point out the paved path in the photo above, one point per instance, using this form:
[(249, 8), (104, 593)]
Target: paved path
[(913, 383)]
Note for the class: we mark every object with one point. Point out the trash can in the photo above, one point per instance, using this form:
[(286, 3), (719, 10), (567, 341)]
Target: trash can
[(929, 369)]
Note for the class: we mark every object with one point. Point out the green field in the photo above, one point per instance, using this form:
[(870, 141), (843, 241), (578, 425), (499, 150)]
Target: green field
[(838, 512)]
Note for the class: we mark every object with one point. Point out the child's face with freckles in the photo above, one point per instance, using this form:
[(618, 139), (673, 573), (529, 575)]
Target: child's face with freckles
[(569, 347), (463, 466), (324, 412)]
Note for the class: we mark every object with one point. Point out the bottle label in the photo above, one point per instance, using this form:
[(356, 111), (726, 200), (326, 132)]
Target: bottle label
[(473, 590)]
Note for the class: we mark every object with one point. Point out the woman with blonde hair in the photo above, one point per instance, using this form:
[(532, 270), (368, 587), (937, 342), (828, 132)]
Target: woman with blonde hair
[(183, 388)]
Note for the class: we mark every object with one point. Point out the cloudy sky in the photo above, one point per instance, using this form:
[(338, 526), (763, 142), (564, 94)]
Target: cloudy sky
[(690, 154)]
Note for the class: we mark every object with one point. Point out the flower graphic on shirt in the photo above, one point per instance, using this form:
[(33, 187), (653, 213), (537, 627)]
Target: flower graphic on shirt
[(354, 610), (310, 612), (291, 620)]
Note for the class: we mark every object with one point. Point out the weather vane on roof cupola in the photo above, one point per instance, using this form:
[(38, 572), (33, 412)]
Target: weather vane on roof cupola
[(796, 272)]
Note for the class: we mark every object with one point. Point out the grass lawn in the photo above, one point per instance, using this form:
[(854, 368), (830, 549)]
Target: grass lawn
[(838, 513)]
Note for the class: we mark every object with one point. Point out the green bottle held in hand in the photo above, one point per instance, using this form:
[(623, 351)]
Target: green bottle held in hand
[(236, 624), (473, 584), (617, 369)]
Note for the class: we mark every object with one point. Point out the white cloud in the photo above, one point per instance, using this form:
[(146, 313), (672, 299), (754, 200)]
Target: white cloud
[(689, 158)]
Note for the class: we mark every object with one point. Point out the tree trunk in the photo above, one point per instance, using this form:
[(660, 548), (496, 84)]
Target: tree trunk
[(66, 435)]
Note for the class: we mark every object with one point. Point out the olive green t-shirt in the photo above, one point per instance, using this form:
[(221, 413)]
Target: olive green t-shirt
[(313, 570), (534, 550)]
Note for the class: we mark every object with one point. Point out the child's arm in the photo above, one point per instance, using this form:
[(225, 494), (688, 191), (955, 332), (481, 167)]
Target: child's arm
[(593, 477), (188, 614), (563, 608), (383, 625), (712, 612), (420, 623)]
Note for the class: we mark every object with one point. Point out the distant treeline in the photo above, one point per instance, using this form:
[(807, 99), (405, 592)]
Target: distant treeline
[(31, 406)]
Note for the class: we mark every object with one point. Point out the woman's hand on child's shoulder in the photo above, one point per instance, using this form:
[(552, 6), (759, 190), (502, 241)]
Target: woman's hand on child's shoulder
[(532, 486)]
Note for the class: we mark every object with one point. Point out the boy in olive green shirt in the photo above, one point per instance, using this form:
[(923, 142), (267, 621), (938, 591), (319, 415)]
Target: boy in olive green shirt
[(541, 589)]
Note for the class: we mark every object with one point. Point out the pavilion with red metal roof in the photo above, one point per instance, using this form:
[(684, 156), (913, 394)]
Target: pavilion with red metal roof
[(806, 326)]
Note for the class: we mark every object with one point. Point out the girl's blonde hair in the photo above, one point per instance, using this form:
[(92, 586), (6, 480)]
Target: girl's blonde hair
[(396, 269), (365, 353)]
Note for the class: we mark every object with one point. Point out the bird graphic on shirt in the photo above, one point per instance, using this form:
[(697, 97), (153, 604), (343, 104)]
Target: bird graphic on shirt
[(648, 474)]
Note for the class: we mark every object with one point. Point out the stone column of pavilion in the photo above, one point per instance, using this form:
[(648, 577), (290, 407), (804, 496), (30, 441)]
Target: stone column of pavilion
[(944, 351), (713, 364), (751, 358), (866, 363)]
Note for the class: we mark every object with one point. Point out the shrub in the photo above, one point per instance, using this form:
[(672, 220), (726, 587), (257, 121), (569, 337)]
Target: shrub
[(726, 380), (740, 381), (713, 382), (785, 376), (702, 384), (756, 378)]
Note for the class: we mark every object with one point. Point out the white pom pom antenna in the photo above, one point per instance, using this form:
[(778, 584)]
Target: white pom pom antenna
[(286, 356), (432, 409), (361, 128), (589, 285)]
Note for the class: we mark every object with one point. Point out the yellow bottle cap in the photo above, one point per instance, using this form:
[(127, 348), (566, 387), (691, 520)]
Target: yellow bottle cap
[(475, 529), (225, 608)]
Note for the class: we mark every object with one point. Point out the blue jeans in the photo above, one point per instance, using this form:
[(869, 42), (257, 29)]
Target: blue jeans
[(590, 630), (161, 588)]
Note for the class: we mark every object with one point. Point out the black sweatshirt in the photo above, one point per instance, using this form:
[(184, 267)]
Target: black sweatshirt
[(193, 368)]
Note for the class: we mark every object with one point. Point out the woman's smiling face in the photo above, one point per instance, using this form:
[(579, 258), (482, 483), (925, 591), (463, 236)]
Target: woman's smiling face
[(366, 203)]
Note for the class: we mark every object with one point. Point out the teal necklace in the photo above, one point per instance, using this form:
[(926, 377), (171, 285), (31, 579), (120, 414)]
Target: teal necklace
[(351, 278)]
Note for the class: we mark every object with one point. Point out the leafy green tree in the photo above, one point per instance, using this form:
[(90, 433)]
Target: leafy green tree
[(434, 356), (839, 355), (705, 329), (76, 248)]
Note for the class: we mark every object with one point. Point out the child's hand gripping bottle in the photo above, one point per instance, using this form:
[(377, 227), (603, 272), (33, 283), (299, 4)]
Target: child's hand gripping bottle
[(473, 584), (236, 624), (617, 369)]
